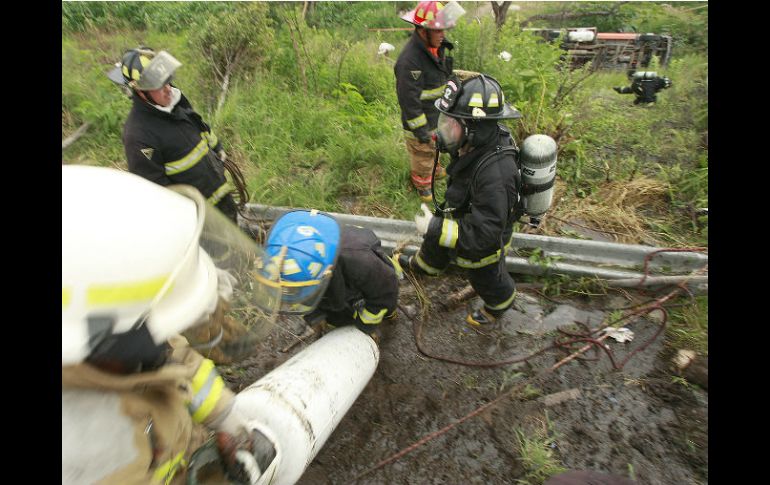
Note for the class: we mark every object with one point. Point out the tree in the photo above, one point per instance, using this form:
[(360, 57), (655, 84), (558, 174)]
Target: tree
[(501, 12), (232, 41)]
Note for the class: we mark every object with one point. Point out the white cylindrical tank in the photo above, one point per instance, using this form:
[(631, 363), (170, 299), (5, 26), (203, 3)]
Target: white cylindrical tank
[(538, 170), (301, 402), (581, 35)]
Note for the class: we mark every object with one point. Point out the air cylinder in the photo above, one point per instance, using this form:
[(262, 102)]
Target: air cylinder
[(300, 403), (538, 171)]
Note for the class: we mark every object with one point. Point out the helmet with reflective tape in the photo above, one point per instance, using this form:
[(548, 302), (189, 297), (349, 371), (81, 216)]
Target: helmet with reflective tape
[(304, 244), (130, 257), (477, 98), (144, 69), (142, 263), (435, 15)]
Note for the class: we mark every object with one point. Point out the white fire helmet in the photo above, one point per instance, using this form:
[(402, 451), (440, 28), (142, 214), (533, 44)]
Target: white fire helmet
[(133, 254)]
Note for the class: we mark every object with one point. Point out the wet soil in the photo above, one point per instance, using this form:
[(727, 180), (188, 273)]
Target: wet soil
[(636, 422)]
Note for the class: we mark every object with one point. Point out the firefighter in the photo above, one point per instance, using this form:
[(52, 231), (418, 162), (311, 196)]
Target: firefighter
[(645, 86), (332, 273), (474, 225), (422, 70), (137, 401), (165, 140)]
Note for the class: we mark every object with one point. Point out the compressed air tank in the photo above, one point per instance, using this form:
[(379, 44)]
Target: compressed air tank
[(644, 75), (301, 402), (538, 171)]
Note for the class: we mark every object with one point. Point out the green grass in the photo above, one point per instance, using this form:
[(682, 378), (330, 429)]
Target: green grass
[(688, 326), (537, 454), (334, 140)]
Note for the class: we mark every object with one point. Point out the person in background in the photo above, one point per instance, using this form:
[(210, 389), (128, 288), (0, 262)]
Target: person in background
[(422, 70), (165, 140), (645, 86)]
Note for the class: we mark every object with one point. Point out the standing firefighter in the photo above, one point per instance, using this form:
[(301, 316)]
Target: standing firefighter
[(422, 71), (645, 86), (484, 195), (137, 401), (332, 272), (165, 140)]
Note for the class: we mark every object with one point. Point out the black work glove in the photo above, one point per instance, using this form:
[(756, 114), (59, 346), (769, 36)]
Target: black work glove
[(617, 89), (422, 134), (245, 468)]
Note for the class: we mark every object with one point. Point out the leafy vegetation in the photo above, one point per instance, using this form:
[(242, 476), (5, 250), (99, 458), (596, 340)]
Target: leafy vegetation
[(311, 115)]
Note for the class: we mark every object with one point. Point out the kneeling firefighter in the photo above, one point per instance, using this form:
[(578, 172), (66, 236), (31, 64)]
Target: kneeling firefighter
[(645, 86), (138, 270), (486, 192), (331, 273)]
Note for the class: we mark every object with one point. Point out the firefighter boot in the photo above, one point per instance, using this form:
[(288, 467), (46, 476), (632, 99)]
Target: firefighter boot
[(483, 317), (425, 194)]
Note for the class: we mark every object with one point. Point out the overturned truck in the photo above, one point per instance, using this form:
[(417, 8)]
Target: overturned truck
[(608, 50)]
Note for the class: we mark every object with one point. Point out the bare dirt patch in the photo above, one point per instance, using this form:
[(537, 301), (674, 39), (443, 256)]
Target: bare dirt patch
[(635, 422)]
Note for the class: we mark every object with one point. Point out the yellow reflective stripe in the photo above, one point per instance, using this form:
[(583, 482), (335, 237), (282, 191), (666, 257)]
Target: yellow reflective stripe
[(167, 469), (124, 293), (449, 232), (207, 390), (202, 374), (467, 263), (425, 266), (493, 102), (476, 100), (223, 190), (189, 160), (505, 304), (396, 266), (421, 120), (213, 140), (435, 93), (66, 297), (370, 318)]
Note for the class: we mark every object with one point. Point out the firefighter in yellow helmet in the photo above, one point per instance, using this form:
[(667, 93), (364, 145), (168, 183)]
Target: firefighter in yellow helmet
[(138, 403), (422, 70), (165, 140)]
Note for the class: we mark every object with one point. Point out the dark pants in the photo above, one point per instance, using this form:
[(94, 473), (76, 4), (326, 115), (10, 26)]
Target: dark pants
[(228, 207), (492, 282)]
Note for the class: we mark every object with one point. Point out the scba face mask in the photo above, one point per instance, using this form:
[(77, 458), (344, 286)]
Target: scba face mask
[(451, 133)]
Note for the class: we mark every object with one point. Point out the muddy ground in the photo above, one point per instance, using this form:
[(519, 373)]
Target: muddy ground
[(636, 422)]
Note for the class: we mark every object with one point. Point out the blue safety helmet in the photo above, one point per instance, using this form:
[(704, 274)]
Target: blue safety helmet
[(311, 241)]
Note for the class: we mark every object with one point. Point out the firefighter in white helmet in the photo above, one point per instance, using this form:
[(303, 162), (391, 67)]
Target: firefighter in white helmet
[(137, 400)]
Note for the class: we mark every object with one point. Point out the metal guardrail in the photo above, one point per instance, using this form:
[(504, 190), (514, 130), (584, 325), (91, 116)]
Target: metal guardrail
[(572, 257)]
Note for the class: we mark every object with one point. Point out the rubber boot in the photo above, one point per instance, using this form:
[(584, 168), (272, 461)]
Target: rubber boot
[(482, 317)]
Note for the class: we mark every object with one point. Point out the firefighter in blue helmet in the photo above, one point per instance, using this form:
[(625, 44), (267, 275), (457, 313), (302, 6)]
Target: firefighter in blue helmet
[(331, 271)]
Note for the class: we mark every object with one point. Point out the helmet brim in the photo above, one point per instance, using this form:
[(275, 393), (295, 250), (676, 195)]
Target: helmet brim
[(116, 76), (508, 113)]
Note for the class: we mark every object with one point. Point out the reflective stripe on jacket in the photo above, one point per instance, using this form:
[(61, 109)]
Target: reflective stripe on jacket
[(139, 428), (420, 80), (482, 223), (174, 148)]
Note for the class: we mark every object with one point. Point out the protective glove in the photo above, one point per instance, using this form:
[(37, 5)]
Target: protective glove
[(422, 134), (423, 220), (246, 456), (222, 155), (617, 89), (225, 284)]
